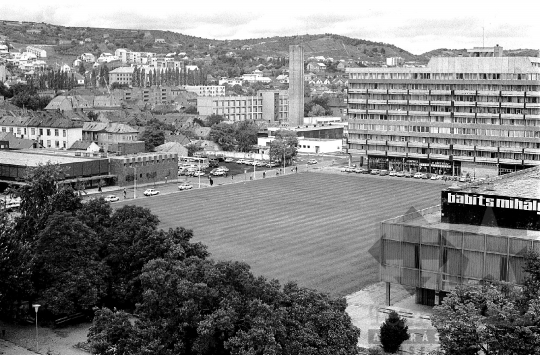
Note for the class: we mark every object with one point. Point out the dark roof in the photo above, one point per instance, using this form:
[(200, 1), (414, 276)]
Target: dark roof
[(80, 145), (17, 143)]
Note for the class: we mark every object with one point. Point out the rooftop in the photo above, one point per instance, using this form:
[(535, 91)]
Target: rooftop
[(36, 158), (521, 184)]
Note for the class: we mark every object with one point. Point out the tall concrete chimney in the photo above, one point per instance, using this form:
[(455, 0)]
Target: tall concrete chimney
[(296, 85)]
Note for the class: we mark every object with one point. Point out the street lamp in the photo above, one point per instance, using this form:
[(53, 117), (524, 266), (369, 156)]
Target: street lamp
[(134, 182), (36, 306)]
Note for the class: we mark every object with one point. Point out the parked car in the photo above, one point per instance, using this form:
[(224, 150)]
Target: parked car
[(312, 161), (425, 176), (383, 172), (248, 162), (464, 178), (184, 186), (150, 192), (374, 171), (392, 173), (218, 172), (198, 173), (224, 168), (435, 177), (272, 164), (240, 161), (229, 160), (261, 163), (418, 175), (111, 198), (408, 174), (359, 170), (400, 174)]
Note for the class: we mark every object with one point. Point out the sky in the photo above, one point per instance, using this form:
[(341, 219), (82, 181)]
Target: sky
[(417, 26)]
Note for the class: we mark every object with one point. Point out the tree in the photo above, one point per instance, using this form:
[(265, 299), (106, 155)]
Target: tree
[(316, 111), (214, 119), (81, 69), (495, 318), (152, 137), (284, 146), (110, 333), (223, 134), (393, 332), (67, 273), (191, 109), (246, 135)]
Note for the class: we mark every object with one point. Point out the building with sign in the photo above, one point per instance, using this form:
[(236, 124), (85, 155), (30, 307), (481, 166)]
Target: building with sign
[(479, 232), (457, 114)]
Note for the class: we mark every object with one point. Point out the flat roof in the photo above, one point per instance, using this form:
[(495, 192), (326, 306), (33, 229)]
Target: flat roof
[(521, 184), (433, 220), (34, 159)]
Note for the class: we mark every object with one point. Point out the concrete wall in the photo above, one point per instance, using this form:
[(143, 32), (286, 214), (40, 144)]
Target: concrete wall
[(162, 164)]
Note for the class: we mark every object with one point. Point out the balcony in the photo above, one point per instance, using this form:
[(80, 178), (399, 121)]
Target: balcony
[(486, 149), (418, 145), (532, 105), (509, 161), (377, 91), (440, 113), (487, 104), (418, 113), (417, 155), (465, 103), (377, 112), (418, 92), (464, 114), (439, 146), (397, 91), (397, 112), (486, 160), (357, 141), (487, 115), (532, 151), (512, 93), (513, 104), (377, 102), (463, 147), (533, 93), (374, 142), (397, 154), (463, 158), (464, 92), (531, 117), (510, 150), (514, 116), (488, 93), (356, 110), (440, 92), (439, 156), (357, 101), (418, 102), (531, 162), (397, 143), (376, 152), (397, 102), (441, 103), (359, 91)]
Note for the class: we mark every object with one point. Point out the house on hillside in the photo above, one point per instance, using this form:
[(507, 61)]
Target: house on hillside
[(316, 67), (91, 147)]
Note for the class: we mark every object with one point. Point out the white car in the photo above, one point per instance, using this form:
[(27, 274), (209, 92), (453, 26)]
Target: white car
[(184, 186), (272, 164), (111, 198), (150, 192), (240, 161), (418, 176), (224, 168), (229, 160), (198, 173), (435, 177), (312, 161), (218, 172)]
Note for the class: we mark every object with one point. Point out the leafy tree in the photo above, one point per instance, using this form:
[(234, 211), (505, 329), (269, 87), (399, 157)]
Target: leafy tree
[(193, 148), (393, 332), (224, 135), (495, 318), (67, 273), (284, 146), (246, 135), (152, 137), (81, 69), (316, 111), (191, 109), (110, 328), (214, 119)]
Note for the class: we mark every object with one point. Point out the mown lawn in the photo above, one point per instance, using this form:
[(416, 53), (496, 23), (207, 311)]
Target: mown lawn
[(314, 228)]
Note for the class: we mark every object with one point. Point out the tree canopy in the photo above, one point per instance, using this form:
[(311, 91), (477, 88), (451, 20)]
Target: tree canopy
[(284, 146), (496, 318), (239, 136)]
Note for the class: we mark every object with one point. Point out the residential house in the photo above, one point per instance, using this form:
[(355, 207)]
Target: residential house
[(86, 146), (108, 135), (49, 130), (9, 141), (88, 57), (316, 67)]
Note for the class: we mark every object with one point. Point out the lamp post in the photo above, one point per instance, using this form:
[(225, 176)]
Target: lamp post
[(36, 306), (199, 173), (134, 182)]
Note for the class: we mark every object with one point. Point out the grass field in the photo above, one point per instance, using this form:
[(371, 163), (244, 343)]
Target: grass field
[(314, 228)]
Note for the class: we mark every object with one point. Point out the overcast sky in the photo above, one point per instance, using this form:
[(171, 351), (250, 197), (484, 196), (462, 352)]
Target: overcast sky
[(416, 26)]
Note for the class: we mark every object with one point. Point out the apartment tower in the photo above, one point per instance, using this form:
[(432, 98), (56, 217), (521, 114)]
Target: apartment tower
[(296, 86), (477, 115)]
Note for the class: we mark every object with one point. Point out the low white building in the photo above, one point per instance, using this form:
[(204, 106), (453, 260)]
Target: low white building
[(311, 138), (230, 81), (37, 51), (206, 90)]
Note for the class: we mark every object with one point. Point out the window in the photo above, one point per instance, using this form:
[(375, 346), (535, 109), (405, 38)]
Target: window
[(64, 132), (56, 133), (32, 131), (48, 132), (41, 131), (48, 144)]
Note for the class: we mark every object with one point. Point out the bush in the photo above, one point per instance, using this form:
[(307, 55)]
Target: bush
[(393, 332)]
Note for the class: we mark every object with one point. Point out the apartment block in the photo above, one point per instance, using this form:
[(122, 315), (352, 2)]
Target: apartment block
[(453, 115), (206, 90), (270, 106)]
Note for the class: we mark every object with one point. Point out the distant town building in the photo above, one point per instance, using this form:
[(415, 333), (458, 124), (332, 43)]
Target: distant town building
[(394, 61), (39, 52), (496, 51), (206, 90)]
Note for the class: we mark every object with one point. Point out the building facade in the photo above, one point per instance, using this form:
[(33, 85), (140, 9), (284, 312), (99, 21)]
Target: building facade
[(206, 90), (477, 233), (270, 106), (145, 168), (455, 113), (37, 51)]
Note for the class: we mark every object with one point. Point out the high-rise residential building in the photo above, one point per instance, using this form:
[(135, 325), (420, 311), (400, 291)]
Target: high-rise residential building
[(478, 114), (296, 85)]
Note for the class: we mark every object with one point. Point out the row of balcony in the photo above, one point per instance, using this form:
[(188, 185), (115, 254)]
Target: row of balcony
[(456, 147), (445, 114), (460, 158), (445, 103), (512, 93)]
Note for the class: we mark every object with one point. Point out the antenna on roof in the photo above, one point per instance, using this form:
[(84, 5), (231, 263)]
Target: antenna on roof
[(483, 37)]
